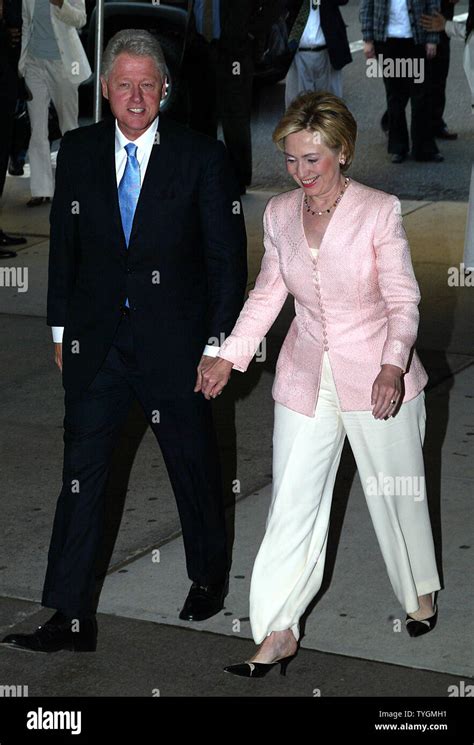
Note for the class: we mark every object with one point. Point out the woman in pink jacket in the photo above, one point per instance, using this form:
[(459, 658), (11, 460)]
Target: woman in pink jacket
[(347, 367)]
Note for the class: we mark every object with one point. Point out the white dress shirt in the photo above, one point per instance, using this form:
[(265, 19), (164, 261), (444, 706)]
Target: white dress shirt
[(399, 20), (313, 34), (144, 145)]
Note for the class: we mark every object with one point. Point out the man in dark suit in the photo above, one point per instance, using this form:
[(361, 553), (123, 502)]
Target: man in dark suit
[(218, 66), (318, 41), (147, 268)]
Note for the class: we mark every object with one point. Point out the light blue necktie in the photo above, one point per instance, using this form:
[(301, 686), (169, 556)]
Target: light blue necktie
[(129, 191)]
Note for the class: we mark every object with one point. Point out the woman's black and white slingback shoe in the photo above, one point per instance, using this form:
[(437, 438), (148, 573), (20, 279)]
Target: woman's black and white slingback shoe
[(258, 669), (418, 628)]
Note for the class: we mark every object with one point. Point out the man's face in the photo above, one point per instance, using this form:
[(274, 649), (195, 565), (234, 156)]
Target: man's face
[(134, 89)]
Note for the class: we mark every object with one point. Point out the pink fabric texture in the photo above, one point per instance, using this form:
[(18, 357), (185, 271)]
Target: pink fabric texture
[(358, 300)]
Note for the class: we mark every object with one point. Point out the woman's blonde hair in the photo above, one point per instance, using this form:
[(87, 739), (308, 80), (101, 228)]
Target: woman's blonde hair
[(321, 112)]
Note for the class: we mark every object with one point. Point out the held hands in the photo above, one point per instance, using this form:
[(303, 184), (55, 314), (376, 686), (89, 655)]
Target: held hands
[(387, 387), (58, 355), (213, 374)]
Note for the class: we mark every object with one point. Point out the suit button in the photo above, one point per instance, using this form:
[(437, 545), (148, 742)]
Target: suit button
[(129, 271), (326, 348)]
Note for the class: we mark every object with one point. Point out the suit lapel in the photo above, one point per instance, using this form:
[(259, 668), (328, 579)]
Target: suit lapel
[(157, 181), (108, 181)]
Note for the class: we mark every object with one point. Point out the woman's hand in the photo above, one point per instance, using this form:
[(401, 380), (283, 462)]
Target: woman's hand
[(435, 22), (213, 374), (387, 387)]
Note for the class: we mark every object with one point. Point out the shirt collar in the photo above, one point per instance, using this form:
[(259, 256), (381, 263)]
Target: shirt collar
[(144, 142)]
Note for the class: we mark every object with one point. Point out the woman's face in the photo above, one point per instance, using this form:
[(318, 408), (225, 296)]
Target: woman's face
[(313, 165)]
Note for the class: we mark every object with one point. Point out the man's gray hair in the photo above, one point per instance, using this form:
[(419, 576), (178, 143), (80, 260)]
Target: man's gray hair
[(137, 42)]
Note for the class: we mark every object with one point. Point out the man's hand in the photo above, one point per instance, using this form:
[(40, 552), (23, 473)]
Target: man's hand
[(430, 51), (213, 374), (369, 49), (435, 22), (387, 387), (58, 355)]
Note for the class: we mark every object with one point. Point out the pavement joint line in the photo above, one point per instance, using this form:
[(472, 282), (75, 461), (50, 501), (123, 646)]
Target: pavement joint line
[(193, 630)]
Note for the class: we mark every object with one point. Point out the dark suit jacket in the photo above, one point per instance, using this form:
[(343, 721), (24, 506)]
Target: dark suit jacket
[(188, 227), (333, 26)]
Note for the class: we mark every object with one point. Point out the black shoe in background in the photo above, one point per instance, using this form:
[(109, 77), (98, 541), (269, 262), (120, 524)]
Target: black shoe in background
[(445, 134), (10, 240)]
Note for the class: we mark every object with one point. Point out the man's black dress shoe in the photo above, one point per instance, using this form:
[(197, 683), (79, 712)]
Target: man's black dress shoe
[(7, 254), (445, 134), (16, 168), (10, 240), (398, 158), (56, 634), (204, 601), (433, 158)]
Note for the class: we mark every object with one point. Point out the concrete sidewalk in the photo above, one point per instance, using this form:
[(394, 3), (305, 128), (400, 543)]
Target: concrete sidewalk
[(350, 647)]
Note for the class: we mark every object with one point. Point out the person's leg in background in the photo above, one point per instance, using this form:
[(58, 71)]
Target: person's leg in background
[(41, 179), (234, 102), (63, 94), (293, 82), (199, 71), (423, 143), (8, 96), (322, 74), (439, 75), (397, 93)]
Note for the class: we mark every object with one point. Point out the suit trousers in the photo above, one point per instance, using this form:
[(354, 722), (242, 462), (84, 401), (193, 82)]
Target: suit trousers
[(184, 430), (47, 82), (289, 567), (403, 88), (312, 71)]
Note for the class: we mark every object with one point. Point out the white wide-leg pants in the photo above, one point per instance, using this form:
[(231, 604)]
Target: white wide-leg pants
[(48, 82), (289, 567)]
